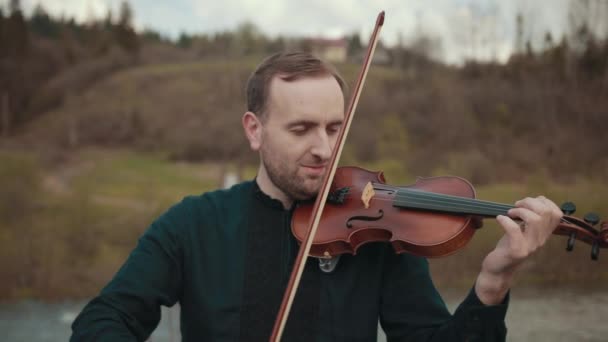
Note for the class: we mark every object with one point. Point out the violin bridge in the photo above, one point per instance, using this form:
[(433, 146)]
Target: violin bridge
[(367, 194)]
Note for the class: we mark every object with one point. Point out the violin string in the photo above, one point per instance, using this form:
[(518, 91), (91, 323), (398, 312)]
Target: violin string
[(450, 204), (430, 205), (442, 202), (464, 201), (492, 207), (406, 200), (463, 208), (459, 200), (441, 197), (407, 193)]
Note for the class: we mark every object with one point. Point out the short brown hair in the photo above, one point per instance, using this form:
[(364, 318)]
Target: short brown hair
[(289, 66)]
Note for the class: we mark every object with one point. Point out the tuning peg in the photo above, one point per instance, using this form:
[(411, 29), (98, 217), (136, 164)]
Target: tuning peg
[(595, 250), (568, 208), (592, 218), (570, 244)]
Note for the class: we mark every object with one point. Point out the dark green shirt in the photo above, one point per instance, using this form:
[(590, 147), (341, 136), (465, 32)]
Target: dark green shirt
[(225, 256)]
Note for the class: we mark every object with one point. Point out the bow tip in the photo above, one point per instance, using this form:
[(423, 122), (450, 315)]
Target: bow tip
[(380, 20)]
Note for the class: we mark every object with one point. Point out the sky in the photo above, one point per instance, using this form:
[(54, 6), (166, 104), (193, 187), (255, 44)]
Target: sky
[(483, 29)]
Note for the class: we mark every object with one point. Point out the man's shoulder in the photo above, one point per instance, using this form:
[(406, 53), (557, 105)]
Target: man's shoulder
[(207, 206), (237, 192), (217, 199)]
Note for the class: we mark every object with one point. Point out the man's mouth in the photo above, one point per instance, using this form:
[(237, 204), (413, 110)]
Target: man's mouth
[(314, 169)]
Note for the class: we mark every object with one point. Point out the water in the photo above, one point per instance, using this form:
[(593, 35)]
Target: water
[(42, 322), (540, 316)]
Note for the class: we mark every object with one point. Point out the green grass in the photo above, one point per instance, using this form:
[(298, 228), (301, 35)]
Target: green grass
[(133, 176), (78, 221)]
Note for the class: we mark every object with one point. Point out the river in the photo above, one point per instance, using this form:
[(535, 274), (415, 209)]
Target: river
[(539, 316)]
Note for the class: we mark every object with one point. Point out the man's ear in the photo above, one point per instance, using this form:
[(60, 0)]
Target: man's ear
[(253, 130)]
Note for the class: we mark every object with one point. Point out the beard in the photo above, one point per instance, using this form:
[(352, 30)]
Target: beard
[(286, 177)]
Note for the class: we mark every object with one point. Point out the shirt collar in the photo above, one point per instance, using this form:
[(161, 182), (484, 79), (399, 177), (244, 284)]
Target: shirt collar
[(263, 198)]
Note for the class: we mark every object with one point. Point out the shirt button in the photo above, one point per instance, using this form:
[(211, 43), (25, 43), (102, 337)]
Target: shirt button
[(474, 322)]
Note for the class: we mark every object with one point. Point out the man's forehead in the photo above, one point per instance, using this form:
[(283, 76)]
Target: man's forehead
[(287, 108), (306, 92), (284, 80)]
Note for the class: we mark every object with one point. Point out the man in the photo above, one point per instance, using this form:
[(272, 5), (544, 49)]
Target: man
[(225, 256)]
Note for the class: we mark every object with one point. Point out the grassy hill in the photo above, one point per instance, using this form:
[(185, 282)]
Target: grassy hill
[(167, 107), (486, 126)]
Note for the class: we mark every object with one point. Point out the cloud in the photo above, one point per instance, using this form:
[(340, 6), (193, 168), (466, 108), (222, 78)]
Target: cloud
[(79, 9)]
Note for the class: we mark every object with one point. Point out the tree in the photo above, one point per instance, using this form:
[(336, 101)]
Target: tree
[(125, 17), (42, 24), (354, 44), (248, 39), (274, 45), (548, 41), (17, 40), (2, 34), (580, 19), (14, 6), (150, 35), (108, 22), (185, 40), (519, 35), (427, 46), (124, 33)]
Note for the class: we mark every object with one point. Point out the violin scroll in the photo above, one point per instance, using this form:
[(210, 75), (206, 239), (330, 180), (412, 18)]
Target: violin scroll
[(584, 230)]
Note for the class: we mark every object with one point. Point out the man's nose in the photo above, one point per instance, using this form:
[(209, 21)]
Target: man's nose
[(322, 146)]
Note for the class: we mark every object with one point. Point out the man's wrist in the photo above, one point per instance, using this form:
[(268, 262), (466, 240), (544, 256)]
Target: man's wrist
[(491, 288)]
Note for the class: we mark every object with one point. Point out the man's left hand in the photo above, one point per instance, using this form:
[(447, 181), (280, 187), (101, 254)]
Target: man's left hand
[(539, 217)]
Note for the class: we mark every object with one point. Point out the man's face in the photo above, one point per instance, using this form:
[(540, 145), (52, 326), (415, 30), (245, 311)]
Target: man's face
[(300, 131)]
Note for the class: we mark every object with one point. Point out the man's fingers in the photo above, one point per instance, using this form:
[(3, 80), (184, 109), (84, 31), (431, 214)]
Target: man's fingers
[(543, 207), (534, 204), (518, 246), (511, 227), (556, 212), (530, 221), (524, 214), (550, 203)]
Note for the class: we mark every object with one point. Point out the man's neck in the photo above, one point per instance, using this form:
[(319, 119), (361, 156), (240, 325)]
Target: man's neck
[(270, 189)]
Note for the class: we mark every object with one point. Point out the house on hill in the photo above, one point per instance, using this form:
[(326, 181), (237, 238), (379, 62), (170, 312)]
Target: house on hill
[(331, 50)]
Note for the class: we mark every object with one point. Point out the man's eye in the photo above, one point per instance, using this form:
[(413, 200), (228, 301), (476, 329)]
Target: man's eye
[(298, 130), (333, 129)]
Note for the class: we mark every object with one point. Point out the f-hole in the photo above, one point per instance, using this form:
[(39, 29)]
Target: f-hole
[(365, 218)]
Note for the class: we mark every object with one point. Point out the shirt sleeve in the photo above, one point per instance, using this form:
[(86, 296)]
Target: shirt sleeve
[(413, 310), (128, 308)]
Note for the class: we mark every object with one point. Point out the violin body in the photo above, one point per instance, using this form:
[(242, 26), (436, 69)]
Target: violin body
[(348, 224)]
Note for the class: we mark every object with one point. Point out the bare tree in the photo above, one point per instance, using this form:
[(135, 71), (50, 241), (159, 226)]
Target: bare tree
[(580, 22), (520, 42), (6, 116)]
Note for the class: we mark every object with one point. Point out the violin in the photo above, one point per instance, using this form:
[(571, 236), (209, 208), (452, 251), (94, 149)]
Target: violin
[(434, 217)]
